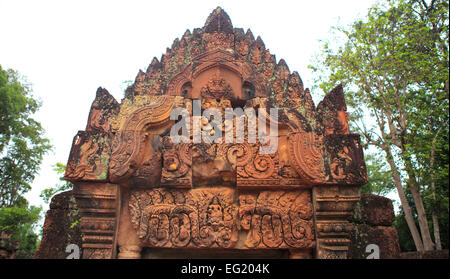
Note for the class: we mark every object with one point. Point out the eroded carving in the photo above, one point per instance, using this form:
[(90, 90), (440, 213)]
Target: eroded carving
[(277, 219), (211, 217), (306, 151), (89, 157), (217, 87), (177, 164), (197, 218)]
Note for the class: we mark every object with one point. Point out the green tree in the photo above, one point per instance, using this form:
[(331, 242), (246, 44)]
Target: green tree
[(64, 185), (380, 177), (22, 141), (394, 67), (20, 222)]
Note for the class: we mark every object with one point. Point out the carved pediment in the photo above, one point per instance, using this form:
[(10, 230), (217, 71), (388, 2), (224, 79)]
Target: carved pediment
[(223, 193)]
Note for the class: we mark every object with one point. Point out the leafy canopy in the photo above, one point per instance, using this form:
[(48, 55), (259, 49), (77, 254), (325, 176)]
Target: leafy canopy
[(22, 140)]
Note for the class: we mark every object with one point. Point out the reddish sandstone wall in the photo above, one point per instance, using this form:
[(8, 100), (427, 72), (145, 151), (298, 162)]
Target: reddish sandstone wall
[(58, 231), (373, 217)]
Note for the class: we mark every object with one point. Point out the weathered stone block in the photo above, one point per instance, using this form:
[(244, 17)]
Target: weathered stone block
[(374, 210), (58, 231), (386, 238)]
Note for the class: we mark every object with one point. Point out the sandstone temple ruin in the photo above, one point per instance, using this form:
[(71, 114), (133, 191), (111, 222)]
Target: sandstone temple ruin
[(140, 195)]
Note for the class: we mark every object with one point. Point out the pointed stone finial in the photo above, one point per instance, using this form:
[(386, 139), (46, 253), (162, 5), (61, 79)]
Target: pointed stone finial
[(283, 67), (103, 108), (249, 36), (102, 97), (260, 43), (154, 66), (218, 21), (335, 99)]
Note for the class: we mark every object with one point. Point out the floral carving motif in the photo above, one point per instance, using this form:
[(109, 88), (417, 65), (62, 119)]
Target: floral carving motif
[(129, 144)]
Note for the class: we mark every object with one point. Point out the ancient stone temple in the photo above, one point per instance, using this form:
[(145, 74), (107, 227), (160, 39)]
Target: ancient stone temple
[(142, 195)]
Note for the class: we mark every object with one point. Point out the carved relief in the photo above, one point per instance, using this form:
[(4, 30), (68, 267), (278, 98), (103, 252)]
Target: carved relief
[(176, 164), (210, 167), (175, 85), (149, 172), (277, 219), (217, 87), (307, 156), (257, 169), (143, 108), (103, 109), (89, 157), (128, 146), (346, 159), (251, 168), (197, 218), (97, 121), (97, 205), (218, 41), (211, 217), (333, 206)]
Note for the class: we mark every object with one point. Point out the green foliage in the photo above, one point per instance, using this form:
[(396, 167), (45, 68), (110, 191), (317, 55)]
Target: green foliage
[(22, 141), (380, 177), (75, 223), (21, 222), (64, 185)]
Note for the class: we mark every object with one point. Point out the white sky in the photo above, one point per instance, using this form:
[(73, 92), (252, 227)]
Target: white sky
[(67, 49)]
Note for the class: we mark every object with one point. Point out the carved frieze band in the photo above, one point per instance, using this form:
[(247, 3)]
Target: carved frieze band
[(212, 218)]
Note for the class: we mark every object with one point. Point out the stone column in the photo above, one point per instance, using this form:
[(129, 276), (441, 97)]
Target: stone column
[(333, 207), (97, 205), (129, 244)]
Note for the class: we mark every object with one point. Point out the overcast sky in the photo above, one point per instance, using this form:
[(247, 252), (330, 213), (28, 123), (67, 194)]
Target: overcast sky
[(67, 49)]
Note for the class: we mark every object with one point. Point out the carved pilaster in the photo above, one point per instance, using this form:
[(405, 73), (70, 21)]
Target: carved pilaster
[(128, 242), (333, 207), (97, 204)]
